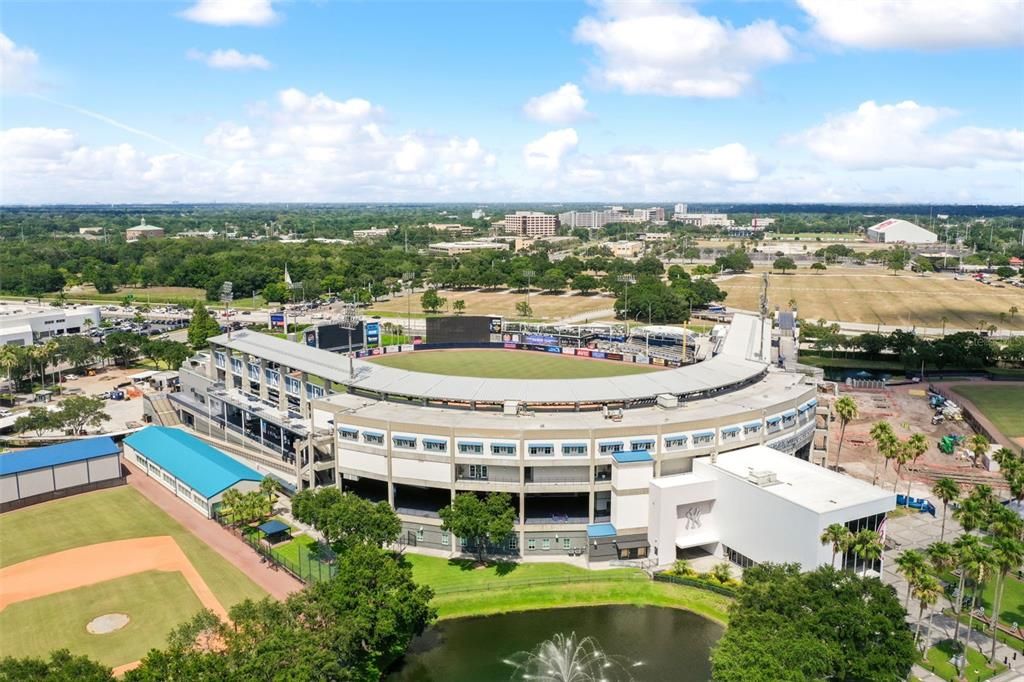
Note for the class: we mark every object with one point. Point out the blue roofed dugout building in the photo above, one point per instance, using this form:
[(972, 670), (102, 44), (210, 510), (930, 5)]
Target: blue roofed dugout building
[(54, 471), (196, 472)]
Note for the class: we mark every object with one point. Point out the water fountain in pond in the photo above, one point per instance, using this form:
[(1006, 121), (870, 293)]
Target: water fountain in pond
[(563, 658)]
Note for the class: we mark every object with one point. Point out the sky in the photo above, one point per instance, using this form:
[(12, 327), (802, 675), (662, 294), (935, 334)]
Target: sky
[(880, 101)]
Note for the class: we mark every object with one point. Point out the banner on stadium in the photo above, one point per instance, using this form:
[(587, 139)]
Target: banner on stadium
[(416, 340), (277, 320), (554, 349), (392, 349), (496, 325), (613, 356), (568, 351), (583, 352), (372, 333), (540, 339), (311, 337), (511, 346), (377, 351), (406, 347), (599, 354), (658, 361)]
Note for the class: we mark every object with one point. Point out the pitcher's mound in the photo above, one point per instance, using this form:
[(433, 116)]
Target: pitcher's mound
[(107, 623)]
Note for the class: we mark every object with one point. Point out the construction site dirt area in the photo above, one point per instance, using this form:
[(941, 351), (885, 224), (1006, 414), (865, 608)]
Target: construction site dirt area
[(908, 411)]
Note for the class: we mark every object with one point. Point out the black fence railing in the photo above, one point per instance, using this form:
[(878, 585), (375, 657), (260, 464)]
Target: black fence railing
[(307, 565)]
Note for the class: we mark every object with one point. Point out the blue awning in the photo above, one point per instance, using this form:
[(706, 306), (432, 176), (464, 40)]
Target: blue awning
[(573, 445), (731, 429), (273, 527), (601, 530), (611, 444), (346, 429), (503, 445), (788, 413), (367, 432), (704, 434), (632, 457), (804, 407), (813, 402), (774, 420), (471, 443), (541, 445), (435, 441), (640, 444), (752, 425), (681, 436)]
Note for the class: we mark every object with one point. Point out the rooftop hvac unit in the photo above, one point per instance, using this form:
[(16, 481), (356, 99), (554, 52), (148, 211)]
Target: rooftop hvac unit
[(511, 408), (763, 479), (667, 400)]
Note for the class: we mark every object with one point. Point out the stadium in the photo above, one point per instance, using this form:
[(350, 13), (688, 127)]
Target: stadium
[(590, 456)]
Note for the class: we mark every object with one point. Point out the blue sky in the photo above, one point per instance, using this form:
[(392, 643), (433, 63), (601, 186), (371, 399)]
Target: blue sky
[(258, 100)]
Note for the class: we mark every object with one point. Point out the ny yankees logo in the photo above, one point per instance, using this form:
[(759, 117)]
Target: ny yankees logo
[(692, 516)]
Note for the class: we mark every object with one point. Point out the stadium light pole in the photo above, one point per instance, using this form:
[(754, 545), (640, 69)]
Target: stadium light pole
[(528, 274), (409, 277), (627, 280)]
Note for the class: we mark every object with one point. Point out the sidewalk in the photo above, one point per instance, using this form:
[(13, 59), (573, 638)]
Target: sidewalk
[(279, 584)]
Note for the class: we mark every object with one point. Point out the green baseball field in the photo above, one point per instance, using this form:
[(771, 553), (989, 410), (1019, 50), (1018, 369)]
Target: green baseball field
[(155, 601), (1003, 403), (509, 364)]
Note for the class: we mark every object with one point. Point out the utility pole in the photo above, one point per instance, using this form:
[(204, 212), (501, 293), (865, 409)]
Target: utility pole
[(528, 274), (626, 279)]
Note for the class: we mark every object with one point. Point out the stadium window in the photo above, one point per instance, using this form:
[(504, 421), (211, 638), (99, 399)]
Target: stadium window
[(503, 449), (531, 545), (751, 428), (675, 442), (513, 542), (478, 471), (404, 442), (545, 544), (435, 445), (471, 448), (576, 450), (349, 434), (542, 450), (446, 538), (143, 462), (373, 438), (419, 535), (566, 543), (609, 448), (703, 438), (644, 444)]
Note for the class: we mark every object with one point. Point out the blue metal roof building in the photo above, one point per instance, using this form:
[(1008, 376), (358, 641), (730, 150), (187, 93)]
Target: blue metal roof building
[(40, 474), (202, 470)]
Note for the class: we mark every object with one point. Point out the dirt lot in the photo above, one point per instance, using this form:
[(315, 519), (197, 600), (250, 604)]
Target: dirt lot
[(503, 302), (875, 298), (908, 413)]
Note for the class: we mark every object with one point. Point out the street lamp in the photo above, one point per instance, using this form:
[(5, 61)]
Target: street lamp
[(626, 279), (408, 277), (226, 297)]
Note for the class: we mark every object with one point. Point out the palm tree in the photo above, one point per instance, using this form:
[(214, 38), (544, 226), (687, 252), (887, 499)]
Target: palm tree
[(926, 591), (839, 536), (884, 439), (944, 321), (912, 565), (901, 454), (978, 444), (972, 513), (916, 446), (979, 564), (232, 499), (9, 358), (1007, 555), (947, 490), (867, 544), (846, 409), (268, 486), (964, 548), (1013, 311)]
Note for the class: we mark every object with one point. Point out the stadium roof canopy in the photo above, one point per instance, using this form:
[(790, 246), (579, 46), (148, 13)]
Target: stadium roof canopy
[(200, 466), (53, 455), (734, 365)]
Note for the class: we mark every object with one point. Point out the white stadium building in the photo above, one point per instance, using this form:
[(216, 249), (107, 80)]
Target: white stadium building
[(895, 231), (717, 458)]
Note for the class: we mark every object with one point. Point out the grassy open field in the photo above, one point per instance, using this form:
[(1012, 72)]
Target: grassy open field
[(114, 514), (508, 364), (151, 295), (1003, 404), (875, 298), (464, 590), (154, 601), (502, 302)]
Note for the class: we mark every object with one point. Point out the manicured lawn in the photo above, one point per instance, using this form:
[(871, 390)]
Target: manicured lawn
[(508, 364), (155, 602), (1003, 404), (937, 659), (501, 302), (463, 590), (115, 514)]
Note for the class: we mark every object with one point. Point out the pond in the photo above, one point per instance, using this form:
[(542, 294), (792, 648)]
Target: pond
[(668, 644)]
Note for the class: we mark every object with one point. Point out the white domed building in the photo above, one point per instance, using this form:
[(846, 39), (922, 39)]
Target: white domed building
[(896, 231)]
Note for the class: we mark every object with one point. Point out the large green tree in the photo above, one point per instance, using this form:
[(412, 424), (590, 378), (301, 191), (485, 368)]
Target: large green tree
[(202, 326), (480, 522), (62, 666), (345, 519), (821, 625), (80, 411)]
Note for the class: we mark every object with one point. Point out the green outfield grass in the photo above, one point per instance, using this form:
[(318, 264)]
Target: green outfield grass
[(154, 601), (508, 364), (1002, 403), (114, 514), (465, 590)]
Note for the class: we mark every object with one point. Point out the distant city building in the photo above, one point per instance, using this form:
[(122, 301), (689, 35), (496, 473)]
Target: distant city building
[(197, 234), (647, 215), (372, 233), (655, 236), (143, 231), (703, 219), (22, 324), (630, 249), (456, 248), (680, 209), (478, 214), (761, 223), (451, 228), (90, 230), (531, 224), (894, 231)]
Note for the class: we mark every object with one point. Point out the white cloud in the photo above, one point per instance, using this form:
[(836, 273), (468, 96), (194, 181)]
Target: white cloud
[(903, 135), (230, 137), (564, 105), (921, 24), (229, 59), (671, 49), (17, 65), (232, 12), (35, 143), (545, 153)]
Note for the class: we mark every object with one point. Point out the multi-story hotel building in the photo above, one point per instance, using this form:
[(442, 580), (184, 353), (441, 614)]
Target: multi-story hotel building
[(531, 224)]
